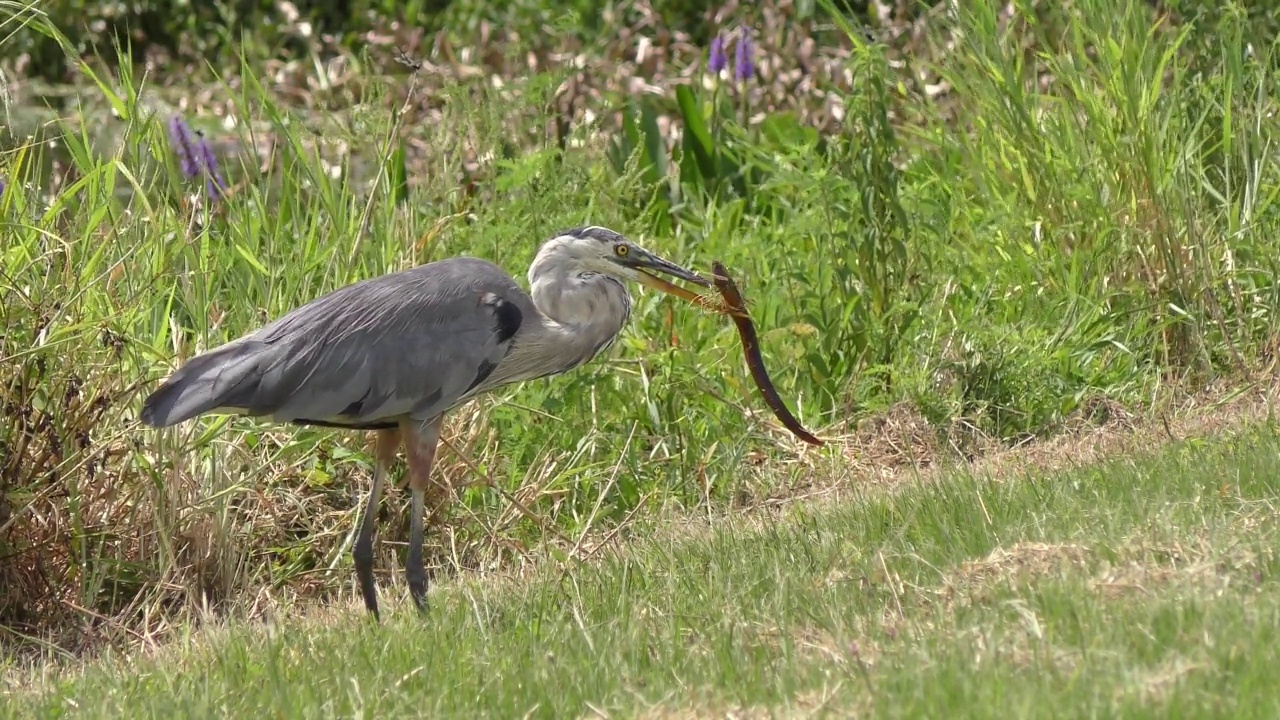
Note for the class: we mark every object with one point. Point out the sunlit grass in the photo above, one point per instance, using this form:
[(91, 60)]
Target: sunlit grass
[(1129, 589)]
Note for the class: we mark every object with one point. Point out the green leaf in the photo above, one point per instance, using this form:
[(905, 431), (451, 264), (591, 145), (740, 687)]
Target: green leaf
[(252, 260), (398, 176), (654, 146), (785, 130), (117, 103), (697, 137), (624, 143)]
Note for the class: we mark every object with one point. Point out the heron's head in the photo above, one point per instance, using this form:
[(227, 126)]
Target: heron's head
[(601, 250)]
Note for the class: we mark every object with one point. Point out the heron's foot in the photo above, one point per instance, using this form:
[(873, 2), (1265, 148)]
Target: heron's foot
[(419, 594), (362, 553), (416, 575)]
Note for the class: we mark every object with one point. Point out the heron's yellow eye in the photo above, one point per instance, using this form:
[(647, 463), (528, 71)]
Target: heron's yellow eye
[(621, 250)]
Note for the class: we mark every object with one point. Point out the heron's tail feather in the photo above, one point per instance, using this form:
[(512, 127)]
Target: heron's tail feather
[(207, 382)]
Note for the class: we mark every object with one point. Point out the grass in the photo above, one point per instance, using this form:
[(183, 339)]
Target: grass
[(1134, 588), (1090, 221)]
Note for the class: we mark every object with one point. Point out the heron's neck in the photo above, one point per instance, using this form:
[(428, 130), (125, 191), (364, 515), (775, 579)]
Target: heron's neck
[(582, 314)]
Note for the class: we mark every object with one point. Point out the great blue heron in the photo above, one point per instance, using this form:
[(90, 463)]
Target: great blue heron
[(394, 353)]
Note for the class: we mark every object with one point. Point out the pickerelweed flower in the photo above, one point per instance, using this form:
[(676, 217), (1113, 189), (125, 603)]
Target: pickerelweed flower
[(184, 146), (213, 182), (717, 59), (743, 62)]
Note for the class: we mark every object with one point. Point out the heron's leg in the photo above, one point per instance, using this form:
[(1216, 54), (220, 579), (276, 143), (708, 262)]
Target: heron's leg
[(421, 441), (362, 551)]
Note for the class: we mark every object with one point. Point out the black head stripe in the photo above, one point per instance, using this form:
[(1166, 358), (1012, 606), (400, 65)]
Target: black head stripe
[(595, 232)]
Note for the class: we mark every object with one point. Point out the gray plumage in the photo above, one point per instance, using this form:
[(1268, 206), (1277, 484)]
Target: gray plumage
[(411, 343), (397, 352)]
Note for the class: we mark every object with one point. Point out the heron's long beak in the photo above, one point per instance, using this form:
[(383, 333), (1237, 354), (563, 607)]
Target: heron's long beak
[(670, 288), (651, 264)]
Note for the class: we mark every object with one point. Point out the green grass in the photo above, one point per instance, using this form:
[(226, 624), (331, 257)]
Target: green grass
[(1138, 588), (995, 260)]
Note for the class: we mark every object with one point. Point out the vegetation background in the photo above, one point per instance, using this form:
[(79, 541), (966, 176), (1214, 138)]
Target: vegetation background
[(961, 230)]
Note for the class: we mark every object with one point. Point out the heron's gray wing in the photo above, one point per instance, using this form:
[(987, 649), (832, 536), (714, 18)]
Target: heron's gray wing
[(408, 344)]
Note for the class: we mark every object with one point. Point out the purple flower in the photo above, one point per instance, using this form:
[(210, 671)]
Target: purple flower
[(183, 146), (743, 65), (214, 182), (196, 157), (717, 59), (3, 186)]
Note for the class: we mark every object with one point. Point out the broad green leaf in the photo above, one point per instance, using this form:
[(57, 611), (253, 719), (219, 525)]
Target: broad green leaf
[(697, 136)]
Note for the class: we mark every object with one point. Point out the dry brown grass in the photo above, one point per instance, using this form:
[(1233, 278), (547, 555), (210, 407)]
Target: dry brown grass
[(903, 447), (1021, 563), (1152, 686), (900, 447), (1144, 566)]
